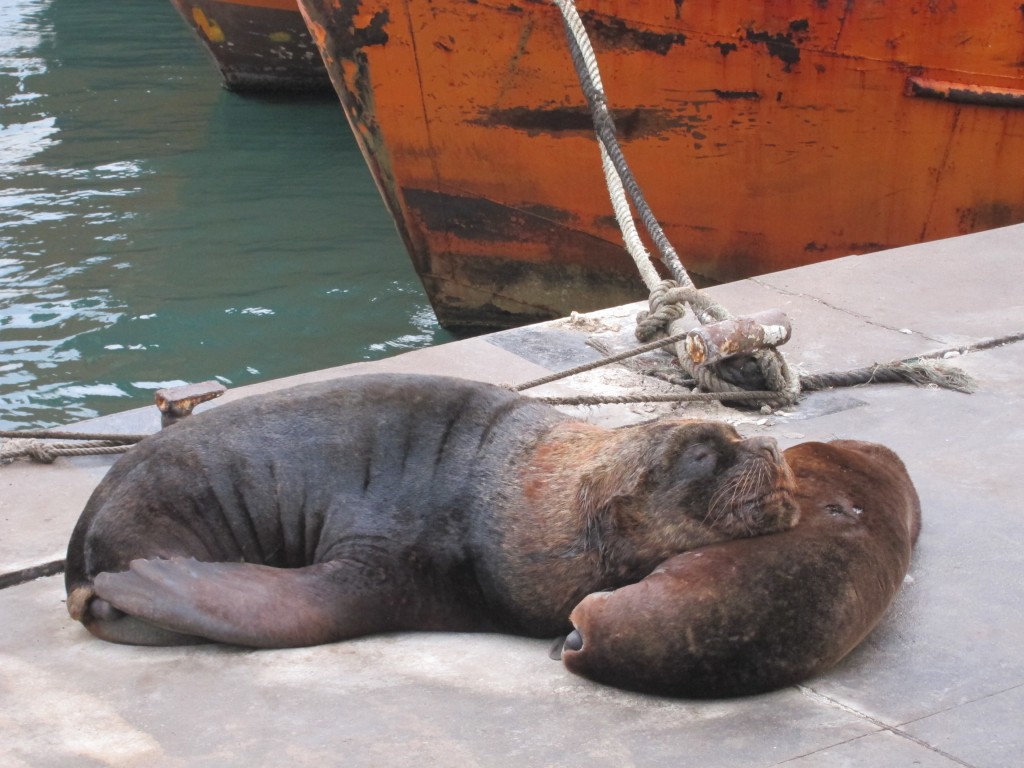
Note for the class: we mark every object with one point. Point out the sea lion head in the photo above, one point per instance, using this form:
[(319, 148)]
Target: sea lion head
[(751, 615), (732, 486), (673, 485)]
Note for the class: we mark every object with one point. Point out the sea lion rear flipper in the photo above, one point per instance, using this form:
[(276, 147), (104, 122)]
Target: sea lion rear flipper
[(238, 603)]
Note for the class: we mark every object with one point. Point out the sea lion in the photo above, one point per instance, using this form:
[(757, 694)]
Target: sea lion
[(749, 616), (397, 502)]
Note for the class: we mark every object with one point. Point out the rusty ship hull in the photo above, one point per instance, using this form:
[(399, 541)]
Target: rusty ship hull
[(258, 45), (764, 135)]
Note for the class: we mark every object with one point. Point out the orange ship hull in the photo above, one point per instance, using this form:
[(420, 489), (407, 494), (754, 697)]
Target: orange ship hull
[(764, 135), (258, 45)]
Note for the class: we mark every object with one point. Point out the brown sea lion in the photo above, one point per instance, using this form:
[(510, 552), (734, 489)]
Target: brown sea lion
[(388, 502), (753, 615)]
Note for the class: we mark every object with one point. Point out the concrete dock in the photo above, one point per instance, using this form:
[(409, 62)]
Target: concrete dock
[(939, 683)]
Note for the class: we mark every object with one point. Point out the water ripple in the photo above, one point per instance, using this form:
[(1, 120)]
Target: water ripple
[(155, 229)]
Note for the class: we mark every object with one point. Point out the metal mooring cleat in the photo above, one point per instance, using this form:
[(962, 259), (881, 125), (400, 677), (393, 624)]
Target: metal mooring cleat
[(177, 402), (761, 330)]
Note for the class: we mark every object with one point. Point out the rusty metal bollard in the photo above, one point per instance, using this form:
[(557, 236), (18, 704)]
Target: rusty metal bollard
[(714, 341), (177, 402)]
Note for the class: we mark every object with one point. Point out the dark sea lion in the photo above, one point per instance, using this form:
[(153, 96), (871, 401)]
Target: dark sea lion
[(381, 503), (753, 615)]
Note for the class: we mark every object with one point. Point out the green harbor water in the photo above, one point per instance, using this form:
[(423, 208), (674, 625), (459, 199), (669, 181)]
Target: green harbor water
[(157, 229)]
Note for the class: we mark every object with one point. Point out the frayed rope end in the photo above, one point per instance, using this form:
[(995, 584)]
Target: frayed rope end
[(925, 372)]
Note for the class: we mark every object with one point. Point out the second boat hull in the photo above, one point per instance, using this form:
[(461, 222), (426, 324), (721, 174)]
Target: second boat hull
[(258, 45)]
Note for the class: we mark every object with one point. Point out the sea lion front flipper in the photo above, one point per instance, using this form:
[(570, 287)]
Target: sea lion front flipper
[(242, 603)]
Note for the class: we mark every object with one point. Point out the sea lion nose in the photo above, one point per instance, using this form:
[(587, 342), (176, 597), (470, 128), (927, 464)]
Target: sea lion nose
[(765, 446), (573, 641)]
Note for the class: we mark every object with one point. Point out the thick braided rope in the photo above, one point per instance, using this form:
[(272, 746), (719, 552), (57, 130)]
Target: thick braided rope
[(62, 434), (630, 236), (585, 63), (920, 372), (681, 397), (666, 306), (47, 453), (668, 302)]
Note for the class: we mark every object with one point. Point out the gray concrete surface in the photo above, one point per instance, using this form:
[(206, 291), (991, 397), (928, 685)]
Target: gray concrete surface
[(939, 683)]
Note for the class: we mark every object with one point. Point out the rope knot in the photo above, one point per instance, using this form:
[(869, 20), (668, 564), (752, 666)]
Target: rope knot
[(36, 450), (668, 301), (32, 444), (667, 304)]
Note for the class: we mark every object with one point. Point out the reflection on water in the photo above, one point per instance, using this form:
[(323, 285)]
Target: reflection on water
[(155, 228)]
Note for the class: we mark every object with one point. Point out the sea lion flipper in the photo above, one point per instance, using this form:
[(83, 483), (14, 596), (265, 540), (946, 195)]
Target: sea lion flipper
[(238, 603)]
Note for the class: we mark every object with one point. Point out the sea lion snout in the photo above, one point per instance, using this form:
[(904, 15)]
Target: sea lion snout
[(573, 641), (766, 447), (755, 495)]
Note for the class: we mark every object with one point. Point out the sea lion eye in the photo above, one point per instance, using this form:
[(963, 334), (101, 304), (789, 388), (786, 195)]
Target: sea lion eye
[(837, 510), (699, 458)]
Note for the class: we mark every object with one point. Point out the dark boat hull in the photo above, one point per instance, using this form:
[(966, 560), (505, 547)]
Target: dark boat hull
[(258, 45)]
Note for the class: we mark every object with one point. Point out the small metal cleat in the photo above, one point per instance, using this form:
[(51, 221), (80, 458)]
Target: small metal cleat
[(177, 402), (714, 341)]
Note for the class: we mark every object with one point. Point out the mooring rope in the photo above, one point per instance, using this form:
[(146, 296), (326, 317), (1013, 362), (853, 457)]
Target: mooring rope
[(919, 371), (62, 434), (620, 205), (589, 74), (650, 347), (46, 453), (669, 298), (672, 397), (32, 444), (620, 180)]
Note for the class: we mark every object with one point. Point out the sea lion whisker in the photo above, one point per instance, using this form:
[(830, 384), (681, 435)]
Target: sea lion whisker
[(743, 491), (723, 501), (718, 501)]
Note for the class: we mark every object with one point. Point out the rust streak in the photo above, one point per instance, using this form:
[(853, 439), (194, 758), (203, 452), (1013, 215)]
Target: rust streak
[(613, 33)]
